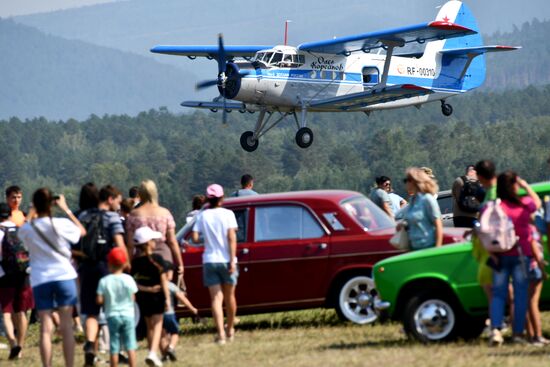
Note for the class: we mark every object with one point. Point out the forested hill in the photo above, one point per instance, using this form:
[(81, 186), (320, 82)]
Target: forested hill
[(184, 153), (44, 75), (528, 66)]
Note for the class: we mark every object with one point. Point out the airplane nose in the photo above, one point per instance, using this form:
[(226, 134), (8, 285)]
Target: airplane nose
[(233, 81)]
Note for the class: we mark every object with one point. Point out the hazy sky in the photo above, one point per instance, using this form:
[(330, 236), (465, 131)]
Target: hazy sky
[(20, 7)]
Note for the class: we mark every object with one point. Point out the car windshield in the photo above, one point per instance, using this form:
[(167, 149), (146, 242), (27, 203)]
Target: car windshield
[(366, 213)]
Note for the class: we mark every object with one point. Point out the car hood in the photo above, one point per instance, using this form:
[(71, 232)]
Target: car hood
[(429, 252)]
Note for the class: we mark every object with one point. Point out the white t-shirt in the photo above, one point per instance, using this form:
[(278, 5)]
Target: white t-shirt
[(395, 202), (214, 224), (9, 224), (48, 265)]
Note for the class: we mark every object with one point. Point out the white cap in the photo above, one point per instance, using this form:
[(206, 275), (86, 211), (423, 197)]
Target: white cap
[(145, 234)]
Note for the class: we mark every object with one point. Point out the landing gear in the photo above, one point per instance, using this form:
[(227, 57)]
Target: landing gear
[(446, 108), (248, 142), (304, 137)]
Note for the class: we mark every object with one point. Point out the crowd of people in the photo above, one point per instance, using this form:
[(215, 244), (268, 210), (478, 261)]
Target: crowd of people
[(512, 276), (115, 253), (102, 261)]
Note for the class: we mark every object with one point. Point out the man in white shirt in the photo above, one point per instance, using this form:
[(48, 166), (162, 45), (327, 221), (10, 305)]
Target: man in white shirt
[(219, 227)]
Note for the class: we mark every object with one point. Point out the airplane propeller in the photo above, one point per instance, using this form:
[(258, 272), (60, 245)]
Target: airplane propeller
[(224, 76)]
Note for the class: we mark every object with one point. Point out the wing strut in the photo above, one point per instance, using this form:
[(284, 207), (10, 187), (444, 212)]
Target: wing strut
[(390, 45)]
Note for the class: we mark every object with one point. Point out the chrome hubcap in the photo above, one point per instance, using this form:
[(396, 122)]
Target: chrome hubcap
[(434, 319), (356, 301)]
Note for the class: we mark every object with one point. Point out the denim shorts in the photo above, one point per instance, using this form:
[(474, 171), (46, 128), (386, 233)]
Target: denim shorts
[(121, 329), (55, 294), (218, 273), (170, 323)]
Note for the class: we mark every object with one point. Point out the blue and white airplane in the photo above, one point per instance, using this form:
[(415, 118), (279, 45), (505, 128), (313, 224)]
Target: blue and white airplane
[(359, 73)]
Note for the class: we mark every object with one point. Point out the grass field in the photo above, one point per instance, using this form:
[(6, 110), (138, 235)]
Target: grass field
[(317, 338)]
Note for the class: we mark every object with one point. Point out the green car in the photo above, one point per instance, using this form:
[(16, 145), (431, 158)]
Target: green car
[(435, 292)]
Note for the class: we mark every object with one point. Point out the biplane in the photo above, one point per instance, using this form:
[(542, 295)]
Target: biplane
[(358, 73)]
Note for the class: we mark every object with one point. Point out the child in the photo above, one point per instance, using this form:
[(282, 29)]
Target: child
[(170, 323), (153, 297), (116, 292)]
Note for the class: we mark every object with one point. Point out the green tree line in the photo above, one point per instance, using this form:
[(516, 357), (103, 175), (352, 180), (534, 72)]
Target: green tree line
[(186, 152)]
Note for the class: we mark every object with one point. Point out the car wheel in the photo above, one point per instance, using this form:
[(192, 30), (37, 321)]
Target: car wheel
[(431, 318), (355, 300)]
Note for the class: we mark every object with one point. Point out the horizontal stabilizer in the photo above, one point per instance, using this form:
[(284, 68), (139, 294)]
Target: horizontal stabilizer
[(357, 101), (477, 50), (212, 105), (210, 52)]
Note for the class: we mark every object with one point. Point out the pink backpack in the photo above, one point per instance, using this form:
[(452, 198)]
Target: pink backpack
[(496, 230)]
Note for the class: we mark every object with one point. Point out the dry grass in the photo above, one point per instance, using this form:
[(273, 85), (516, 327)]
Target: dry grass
[(317, 338)]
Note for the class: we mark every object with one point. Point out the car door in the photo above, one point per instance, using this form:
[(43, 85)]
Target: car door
[(289, 257), (192, 259)]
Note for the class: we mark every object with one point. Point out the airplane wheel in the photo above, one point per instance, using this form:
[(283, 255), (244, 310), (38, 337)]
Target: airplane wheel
[(304, 137), (248, 143), (447, 109)]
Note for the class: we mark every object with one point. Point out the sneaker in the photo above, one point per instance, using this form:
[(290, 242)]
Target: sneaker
[(495, 339), (3, 346), (15, 353), (153, 360), (171, 354), (542, 340), (89, 355), (230, 333), (123, 359), (219, 341)]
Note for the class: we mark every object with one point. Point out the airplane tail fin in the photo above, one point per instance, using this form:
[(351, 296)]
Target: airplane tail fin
[(457, 12)]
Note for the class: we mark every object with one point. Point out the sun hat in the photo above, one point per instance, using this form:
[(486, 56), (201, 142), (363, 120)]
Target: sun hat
[(214, 191), (117, 256), (145, 234)]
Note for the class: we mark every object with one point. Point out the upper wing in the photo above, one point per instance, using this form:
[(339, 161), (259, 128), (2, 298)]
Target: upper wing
[(210, 52), (356, 101), (425, 32)]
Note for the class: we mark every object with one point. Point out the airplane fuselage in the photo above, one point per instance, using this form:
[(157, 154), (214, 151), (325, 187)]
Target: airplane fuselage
[(322, 76)]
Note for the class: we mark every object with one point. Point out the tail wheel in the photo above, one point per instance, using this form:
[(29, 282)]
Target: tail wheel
[(355, 300), (446, 109), (304, 137), (248, 142)]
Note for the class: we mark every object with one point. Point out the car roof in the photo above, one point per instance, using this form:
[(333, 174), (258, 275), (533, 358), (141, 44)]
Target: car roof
[(332, 196)]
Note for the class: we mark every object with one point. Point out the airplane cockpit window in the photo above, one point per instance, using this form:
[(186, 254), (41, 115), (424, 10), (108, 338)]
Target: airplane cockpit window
[(266, 57), (259, 56), (277, 56)]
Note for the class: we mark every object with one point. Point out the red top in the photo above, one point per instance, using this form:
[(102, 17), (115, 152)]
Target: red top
[(520, 214)]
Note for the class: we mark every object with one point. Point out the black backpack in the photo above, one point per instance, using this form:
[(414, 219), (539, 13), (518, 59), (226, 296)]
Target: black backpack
[(15, 256), (94, 246), (469, 198)]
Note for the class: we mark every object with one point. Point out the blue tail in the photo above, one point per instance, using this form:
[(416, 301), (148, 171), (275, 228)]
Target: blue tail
[(453, 74)]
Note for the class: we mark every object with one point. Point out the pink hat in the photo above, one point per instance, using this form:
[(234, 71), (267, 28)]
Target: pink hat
[(214, 191)]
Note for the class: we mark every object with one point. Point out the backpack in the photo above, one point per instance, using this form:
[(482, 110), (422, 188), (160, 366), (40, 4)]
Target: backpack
[(468, 200), (496, 230), (15, 256), (93, 246)]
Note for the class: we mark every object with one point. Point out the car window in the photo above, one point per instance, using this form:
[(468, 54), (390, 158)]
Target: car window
[(242, 221), (367, 214), (334, 222), (285, 222), (445, 204)]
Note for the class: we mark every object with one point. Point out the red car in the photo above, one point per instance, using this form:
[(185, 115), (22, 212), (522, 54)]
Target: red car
[(301, 250)]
